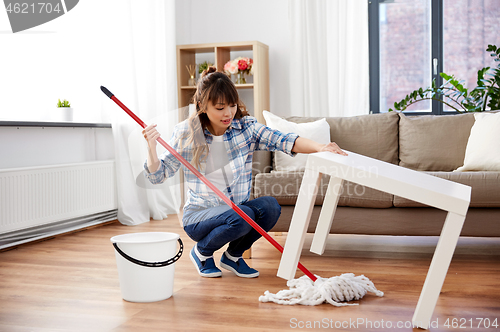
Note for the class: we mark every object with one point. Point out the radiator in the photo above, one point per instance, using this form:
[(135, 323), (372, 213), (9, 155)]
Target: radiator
[(36, 196)]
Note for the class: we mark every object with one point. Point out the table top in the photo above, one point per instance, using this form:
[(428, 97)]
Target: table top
[(394, 179)]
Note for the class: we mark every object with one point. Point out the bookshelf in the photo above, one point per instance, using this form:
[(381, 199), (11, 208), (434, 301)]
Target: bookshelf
[(219, 54)]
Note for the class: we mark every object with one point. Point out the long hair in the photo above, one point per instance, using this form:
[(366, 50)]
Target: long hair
[(216, 87)]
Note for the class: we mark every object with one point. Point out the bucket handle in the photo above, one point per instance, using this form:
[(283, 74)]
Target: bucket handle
[(152, 264)]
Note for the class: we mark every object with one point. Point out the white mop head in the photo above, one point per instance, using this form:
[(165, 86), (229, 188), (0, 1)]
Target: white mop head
[(336, 291)]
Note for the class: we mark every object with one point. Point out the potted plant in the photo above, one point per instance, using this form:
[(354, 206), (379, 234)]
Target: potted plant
[(65, 112), (203, 66), (486, 95)]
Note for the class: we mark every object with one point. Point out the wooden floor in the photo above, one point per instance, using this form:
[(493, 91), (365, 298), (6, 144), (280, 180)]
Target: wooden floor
[(70, 283)]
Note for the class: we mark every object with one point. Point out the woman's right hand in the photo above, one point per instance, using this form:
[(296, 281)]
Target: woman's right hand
[(151, 135)]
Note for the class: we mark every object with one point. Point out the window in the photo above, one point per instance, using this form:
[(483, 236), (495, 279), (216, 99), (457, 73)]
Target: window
[(412, 41)]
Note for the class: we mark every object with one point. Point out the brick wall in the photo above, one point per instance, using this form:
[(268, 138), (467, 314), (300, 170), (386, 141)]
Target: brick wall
[(469, 26)]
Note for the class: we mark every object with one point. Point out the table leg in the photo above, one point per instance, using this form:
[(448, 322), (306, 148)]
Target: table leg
[(298, 226), (326, 216), (438, 269)]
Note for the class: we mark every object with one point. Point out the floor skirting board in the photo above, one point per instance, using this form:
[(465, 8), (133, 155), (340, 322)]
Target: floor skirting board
[(16, 238)]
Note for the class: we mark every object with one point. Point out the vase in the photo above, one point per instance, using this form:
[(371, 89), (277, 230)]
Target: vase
[(241, 78), (63, 114), (191, 81)]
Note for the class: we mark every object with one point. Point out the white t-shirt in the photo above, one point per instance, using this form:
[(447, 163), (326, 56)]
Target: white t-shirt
[(218, 169)]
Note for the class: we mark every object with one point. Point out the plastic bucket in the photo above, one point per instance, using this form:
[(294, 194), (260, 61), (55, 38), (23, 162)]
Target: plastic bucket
[(146, 264)]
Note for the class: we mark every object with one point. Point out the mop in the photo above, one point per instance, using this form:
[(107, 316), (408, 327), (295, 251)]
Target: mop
[(309, 289)]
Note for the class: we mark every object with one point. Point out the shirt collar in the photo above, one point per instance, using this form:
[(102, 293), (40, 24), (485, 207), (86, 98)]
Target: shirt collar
[(235, 124)]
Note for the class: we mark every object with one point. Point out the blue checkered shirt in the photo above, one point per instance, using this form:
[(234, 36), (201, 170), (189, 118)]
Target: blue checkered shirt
[(242, 138)]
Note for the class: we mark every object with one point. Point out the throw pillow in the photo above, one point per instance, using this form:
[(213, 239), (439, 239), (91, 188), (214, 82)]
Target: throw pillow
[(318, 131), (483, 148), (433, 142)]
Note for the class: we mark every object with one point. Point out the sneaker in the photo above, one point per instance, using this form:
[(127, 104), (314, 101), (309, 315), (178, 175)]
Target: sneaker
[(206, 268), (240, 268)]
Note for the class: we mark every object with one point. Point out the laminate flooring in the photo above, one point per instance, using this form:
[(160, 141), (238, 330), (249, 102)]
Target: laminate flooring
[(70, 283)]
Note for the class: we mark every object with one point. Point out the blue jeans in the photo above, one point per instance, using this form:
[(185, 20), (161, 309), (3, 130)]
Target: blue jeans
[(228, 227)]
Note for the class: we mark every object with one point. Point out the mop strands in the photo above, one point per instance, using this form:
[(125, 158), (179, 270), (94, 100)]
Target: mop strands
[(336, 291)]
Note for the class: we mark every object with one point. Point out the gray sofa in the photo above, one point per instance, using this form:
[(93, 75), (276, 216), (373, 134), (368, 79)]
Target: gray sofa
[(432, 144)]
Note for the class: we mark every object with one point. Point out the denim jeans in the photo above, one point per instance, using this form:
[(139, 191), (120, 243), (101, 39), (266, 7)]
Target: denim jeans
[(228, 227)]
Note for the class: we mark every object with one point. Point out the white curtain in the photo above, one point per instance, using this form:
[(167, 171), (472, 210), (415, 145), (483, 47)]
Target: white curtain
[(127, 46), (148, 88), (329, 73)]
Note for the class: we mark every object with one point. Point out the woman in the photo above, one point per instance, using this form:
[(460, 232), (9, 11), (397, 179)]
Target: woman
[(219, 140)]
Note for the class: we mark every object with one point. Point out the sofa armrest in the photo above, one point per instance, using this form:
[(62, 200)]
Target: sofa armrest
[(261, 163)]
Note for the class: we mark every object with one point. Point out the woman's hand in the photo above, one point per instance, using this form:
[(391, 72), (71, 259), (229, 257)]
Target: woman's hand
[(332, 147), (305, 145), (151, 134)]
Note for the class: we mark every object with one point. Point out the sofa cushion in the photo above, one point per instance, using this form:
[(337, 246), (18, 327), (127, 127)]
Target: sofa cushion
[(485, 188), (483, 148), (318, 131), (284, 186), (372, 135), (433, 142)]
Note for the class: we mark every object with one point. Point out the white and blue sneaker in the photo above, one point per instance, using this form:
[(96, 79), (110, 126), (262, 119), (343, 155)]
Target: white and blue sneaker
[(240, 268), (205, 268)]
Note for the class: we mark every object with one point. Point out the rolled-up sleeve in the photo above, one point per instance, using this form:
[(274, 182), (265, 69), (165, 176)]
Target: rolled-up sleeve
[(160, 175), (169, 165), (274, 140)]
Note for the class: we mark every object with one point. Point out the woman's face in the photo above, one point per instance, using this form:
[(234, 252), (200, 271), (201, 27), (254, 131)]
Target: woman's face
[(220, 116)]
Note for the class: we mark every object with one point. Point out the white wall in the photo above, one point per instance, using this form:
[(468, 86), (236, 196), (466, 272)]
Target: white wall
[(67, 58), (218, 21), (43, 146), (77, 50)]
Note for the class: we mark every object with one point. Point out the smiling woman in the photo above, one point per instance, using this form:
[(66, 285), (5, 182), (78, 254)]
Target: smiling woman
[(220, 116), (219, 140)]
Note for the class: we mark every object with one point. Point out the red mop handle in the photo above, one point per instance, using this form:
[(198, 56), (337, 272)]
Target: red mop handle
[(208, 183)]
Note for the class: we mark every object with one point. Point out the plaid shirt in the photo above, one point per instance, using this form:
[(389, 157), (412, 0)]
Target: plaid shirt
[(242, 138)]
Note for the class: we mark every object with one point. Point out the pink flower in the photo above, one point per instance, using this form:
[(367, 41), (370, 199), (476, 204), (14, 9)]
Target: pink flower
[(239, 65), (231, 68)]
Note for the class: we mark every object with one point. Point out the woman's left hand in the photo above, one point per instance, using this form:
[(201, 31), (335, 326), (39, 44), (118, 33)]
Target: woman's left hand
[(333, 147)]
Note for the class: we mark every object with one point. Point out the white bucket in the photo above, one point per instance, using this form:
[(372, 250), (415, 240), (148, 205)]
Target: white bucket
[(146, 265)]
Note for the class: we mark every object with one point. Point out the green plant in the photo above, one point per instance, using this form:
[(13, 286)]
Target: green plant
[(455, 95), (203, 66), (64, 103)]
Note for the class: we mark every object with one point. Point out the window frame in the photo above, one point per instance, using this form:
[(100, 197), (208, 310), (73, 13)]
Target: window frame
[(374, 55)]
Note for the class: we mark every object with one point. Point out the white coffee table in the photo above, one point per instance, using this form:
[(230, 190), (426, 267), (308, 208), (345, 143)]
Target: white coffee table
[(427, 189)]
